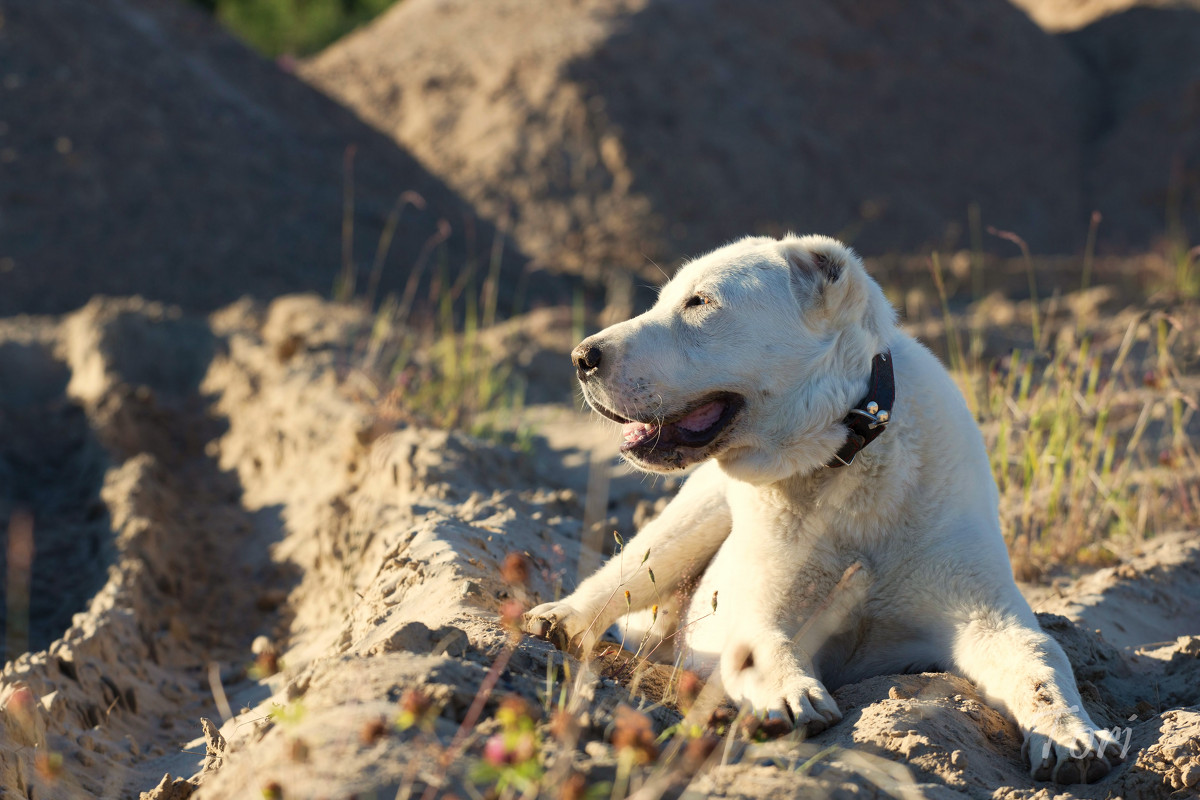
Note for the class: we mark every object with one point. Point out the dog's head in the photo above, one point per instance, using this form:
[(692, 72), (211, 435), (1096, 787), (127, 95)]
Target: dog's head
[(752, 355)]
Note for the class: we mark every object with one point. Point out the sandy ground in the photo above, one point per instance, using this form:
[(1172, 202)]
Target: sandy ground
[(243, 490)]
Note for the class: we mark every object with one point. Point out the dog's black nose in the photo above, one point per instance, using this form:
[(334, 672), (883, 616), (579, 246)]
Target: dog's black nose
[(586, 358)]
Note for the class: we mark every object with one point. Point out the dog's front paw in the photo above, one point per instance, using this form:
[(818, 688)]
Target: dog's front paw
[(809, 705), (1066, 749), (563, 626), (795, 696)]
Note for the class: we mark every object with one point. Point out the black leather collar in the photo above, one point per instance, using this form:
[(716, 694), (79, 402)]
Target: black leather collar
[(870, 417)]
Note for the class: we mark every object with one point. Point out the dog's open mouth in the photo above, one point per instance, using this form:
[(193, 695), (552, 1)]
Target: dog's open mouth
[(696, 427)]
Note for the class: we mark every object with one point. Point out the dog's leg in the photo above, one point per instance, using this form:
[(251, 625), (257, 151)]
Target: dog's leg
[(680, 542), (773, 676), (772, 668), (1020, 668)]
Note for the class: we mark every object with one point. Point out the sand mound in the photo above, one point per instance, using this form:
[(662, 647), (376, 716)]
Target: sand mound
[(613, 132), (143, 150), (248, 494), (1145, 148), (612, 128), (1069, 15)]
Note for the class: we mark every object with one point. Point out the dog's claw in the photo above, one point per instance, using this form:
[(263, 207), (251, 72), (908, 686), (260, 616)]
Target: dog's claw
[(538, 627), (801, 700), (1100, 754), (784, 715), (558, 637), (544, 627)]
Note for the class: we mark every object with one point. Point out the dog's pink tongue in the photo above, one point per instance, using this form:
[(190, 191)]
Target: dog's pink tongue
[(703, 417), (635, 431)]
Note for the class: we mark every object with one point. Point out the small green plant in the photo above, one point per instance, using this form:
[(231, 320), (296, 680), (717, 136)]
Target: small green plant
[(1089, 427), (288, 715), (511, 757), (417, 710), (1071, 428), (293, 27), (442, 362), (1180, 254), (1187, 273), (450, 375)]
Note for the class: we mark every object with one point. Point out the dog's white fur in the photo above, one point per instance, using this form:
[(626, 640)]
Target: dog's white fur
[(824, 576)]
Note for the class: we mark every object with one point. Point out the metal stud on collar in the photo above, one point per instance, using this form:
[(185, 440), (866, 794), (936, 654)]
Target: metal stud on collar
[(861, 432), (877, 418)]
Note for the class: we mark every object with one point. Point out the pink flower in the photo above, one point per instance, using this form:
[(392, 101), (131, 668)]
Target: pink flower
[(495, 752)]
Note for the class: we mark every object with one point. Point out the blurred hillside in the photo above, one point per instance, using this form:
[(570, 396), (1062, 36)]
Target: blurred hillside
[(618, 132), (143, 150)]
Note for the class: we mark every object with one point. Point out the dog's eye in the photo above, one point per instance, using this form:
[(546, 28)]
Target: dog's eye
[(697, 300)]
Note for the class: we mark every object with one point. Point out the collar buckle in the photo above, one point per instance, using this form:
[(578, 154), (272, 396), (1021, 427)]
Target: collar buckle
[(870, 417), (877, 417)]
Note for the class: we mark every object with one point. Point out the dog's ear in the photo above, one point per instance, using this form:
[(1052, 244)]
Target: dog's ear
[(819, 263), (815, 262)]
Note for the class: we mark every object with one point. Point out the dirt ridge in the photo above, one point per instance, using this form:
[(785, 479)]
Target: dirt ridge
[(263, 499)]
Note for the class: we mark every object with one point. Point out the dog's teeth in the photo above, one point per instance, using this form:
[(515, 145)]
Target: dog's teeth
[(637, 431)]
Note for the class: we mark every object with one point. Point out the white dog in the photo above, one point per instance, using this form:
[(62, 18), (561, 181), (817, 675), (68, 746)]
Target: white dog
[(773, 361)]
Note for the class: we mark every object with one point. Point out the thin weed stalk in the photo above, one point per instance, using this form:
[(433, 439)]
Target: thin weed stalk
[(406, 198), (1033, 292), (1089, 251), (346, 284)]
